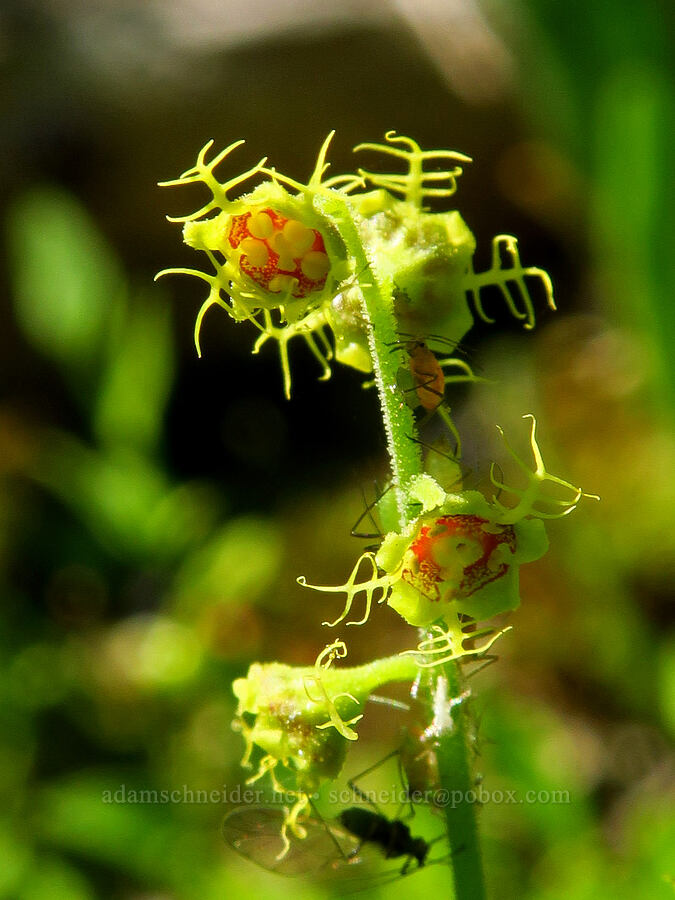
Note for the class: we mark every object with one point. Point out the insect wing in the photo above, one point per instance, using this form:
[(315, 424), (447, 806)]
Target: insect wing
[(370, 871), (255, 833)]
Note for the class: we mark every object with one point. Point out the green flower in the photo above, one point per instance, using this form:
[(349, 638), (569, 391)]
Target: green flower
[(301, 717), (294, 258), (458, 561)]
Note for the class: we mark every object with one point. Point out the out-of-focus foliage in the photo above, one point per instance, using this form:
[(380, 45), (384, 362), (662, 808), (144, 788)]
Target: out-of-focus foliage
[(155, 513)]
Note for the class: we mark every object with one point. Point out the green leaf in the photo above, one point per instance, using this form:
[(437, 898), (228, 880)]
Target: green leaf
[(66, 279), (53, 879), (135, 386)]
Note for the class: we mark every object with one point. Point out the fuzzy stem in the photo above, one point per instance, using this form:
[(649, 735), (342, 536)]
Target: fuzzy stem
[(386, 351), (455, 778), (406, 462)]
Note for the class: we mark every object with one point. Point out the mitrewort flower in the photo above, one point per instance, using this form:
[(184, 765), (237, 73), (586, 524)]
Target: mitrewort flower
[(457, 563), (298, 720), (294, 258)]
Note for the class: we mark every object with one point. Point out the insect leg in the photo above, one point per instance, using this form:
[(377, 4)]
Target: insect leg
[(368, 512), (484, 662), (363, 795), (340, 850), (404, 781)]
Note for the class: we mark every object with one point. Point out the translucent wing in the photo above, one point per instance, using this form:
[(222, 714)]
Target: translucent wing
[(255, 833), (328, 852)]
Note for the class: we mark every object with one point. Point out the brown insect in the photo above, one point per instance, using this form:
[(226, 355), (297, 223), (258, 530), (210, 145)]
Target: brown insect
[(427, 374), (423, 380)]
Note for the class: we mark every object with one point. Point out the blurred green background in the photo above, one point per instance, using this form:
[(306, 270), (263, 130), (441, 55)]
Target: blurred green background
[(155, 509)]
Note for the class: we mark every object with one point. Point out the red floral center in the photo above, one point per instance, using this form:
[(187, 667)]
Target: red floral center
[(278, 253), (453, 557)]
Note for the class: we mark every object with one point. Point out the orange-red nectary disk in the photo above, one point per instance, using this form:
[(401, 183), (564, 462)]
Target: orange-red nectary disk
[(446, 537), (279, 253)]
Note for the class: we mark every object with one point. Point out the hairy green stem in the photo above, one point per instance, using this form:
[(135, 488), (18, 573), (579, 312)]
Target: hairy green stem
[(456, 779), (387, 355), (447, 711)]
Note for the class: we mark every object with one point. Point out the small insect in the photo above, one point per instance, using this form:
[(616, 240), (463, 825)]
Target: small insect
[(330, 849), (427, 371), (418, 761), (427, 374), (423, 380), (392, 836)]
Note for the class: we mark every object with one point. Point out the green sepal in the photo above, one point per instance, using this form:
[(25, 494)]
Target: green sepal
[(426, 256), (344, 315)]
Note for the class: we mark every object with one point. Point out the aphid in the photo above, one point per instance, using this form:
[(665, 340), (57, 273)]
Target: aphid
[(427, 374), (329, 848), (392, 836), (423, 381), (418, 760), (427, 371)]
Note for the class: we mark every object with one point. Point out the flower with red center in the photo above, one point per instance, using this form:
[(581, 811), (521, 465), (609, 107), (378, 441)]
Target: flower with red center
[(278, 253), (456, 560), (459, 561)]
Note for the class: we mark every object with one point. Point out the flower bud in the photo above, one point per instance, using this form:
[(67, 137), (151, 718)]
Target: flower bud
[(300, 716)]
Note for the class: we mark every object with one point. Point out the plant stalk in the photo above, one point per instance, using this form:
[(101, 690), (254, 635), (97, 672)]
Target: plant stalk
[(451, 718), (388, 355), (456, 780)]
